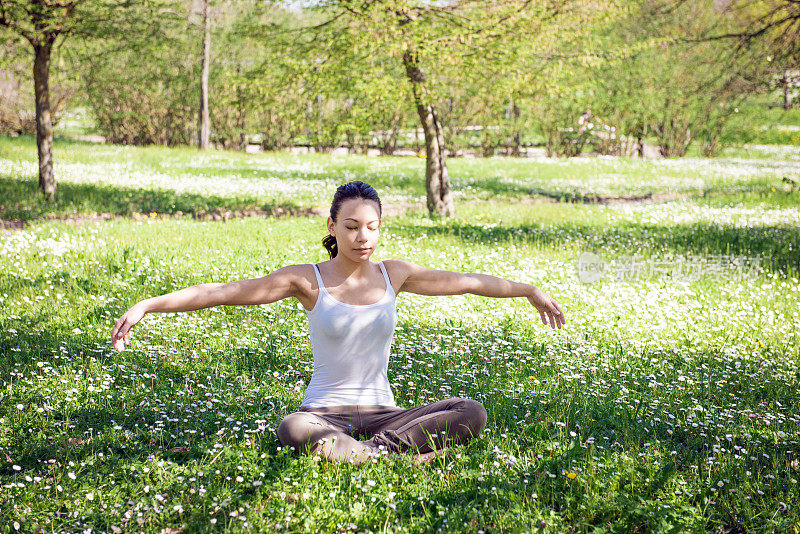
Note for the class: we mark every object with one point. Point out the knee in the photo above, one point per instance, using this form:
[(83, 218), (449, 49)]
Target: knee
[(475, 416), (293, 431), (478, 415)]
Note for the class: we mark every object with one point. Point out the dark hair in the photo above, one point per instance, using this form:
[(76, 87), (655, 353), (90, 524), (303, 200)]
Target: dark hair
[(355, 189)]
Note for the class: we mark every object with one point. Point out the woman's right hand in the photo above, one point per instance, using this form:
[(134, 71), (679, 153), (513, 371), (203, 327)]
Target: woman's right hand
[(121, 334)]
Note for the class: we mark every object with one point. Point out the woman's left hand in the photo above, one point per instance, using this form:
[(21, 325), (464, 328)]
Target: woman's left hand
[(548, 308)]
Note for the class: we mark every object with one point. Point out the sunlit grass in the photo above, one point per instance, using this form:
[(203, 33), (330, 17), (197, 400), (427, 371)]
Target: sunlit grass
[(667, 403), (123, 180)]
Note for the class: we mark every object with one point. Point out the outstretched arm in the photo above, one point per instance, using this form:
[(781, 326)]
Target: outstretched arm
[(276, 286), (422, 281)]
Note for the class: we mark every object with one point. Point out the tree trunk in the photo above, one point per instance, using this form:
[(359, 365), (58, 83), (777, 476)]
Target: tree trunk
[(640, 142), (242, 111), (390, 141), (44, 125), (516, 149), (204, 129), (437, 183), (787, 98)]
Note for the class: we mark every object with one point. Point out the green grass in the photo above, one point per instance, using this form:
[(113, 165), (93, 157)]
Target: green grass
[(763, 121), (124, 180), (668, 403)]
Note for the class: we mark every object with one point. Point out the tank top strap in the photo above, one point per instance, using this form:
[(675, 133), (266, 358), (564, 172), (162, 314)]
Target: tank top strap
[(386, 277), (320, 285)]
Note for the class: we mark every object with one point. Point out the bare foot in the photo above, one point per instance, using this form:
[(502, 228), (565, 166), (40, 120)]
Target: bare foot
[(428, 456)]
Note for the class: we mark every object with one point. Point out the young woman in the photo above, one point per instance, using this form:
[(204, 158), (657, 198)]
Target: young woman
[(350, 303)]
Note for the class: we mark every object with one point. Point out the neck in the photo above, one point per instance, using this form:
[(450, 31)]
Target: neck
[(348, 268)]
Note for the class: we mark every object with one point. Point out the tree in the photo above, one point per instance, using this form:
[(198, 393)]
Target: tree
[(203, 122), (695, 84), (430, 40), (139, 72), (773, 23), (768, 29), (41, 22), (17, 102)]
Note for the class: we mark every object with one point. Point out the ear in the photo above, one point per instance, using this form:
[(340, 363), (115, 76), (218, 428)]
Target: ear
[(331, 226)]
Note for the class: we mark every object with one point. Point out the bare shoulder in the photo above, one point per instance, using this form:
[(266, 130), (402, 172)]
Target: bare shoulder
[(300, 282), (301, 276), (397, 268), (399, 271)]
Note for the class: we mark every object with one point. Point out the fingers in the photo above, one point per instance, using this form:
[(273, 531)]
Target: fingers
[(121, 334), (556, 319), (557, 314), (117, 324), (560, 312), (553, 314), (119, 330)]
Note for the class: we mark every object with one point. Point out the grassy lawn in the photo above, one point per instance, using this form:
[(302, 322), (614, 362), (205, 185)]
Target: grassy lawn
[(668, 403), (124, 180)]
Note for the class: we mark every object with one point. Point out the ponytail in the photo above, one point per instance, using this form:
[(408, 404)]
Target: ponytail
[(329, 242)]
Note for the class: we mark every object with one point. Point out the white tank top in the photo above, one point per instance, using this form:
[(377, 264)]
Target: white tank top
[(351, 344)]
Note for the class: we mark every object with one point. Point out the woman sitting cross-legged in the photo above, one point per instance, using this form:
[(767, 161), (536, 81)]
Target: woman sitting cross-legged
[(350, 303)]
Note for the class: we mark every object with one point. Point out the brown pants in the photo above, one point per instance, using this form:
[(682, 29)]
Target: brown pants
[(332, 431)]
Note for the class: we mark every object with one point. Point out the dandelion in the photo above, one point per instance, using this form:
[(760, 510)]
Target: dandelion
[(571, 475)]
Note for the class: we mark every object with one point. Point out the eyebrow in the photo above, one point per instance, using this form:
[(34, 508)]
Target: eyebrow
[(356, 220)]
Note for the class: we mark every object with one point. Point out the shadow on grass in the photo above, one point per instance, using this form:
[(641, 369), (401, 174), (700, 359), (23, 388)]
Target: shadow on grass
[(776, 246), (22, 200), (154, 405), (400, 175)]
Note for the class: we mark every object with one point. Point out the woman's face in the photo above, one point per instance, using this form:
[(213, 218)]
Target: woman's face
[(357, 229)]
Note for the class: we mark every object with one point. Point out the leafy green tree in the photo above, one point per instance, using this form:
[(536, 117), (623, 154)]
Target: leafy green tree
[(17, 102), (41, 22), (430, 41), (141, 80), (770, 29)]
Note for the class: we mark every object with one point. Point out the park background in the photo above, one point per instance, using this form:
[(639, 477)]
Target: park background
[(639, 161)]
